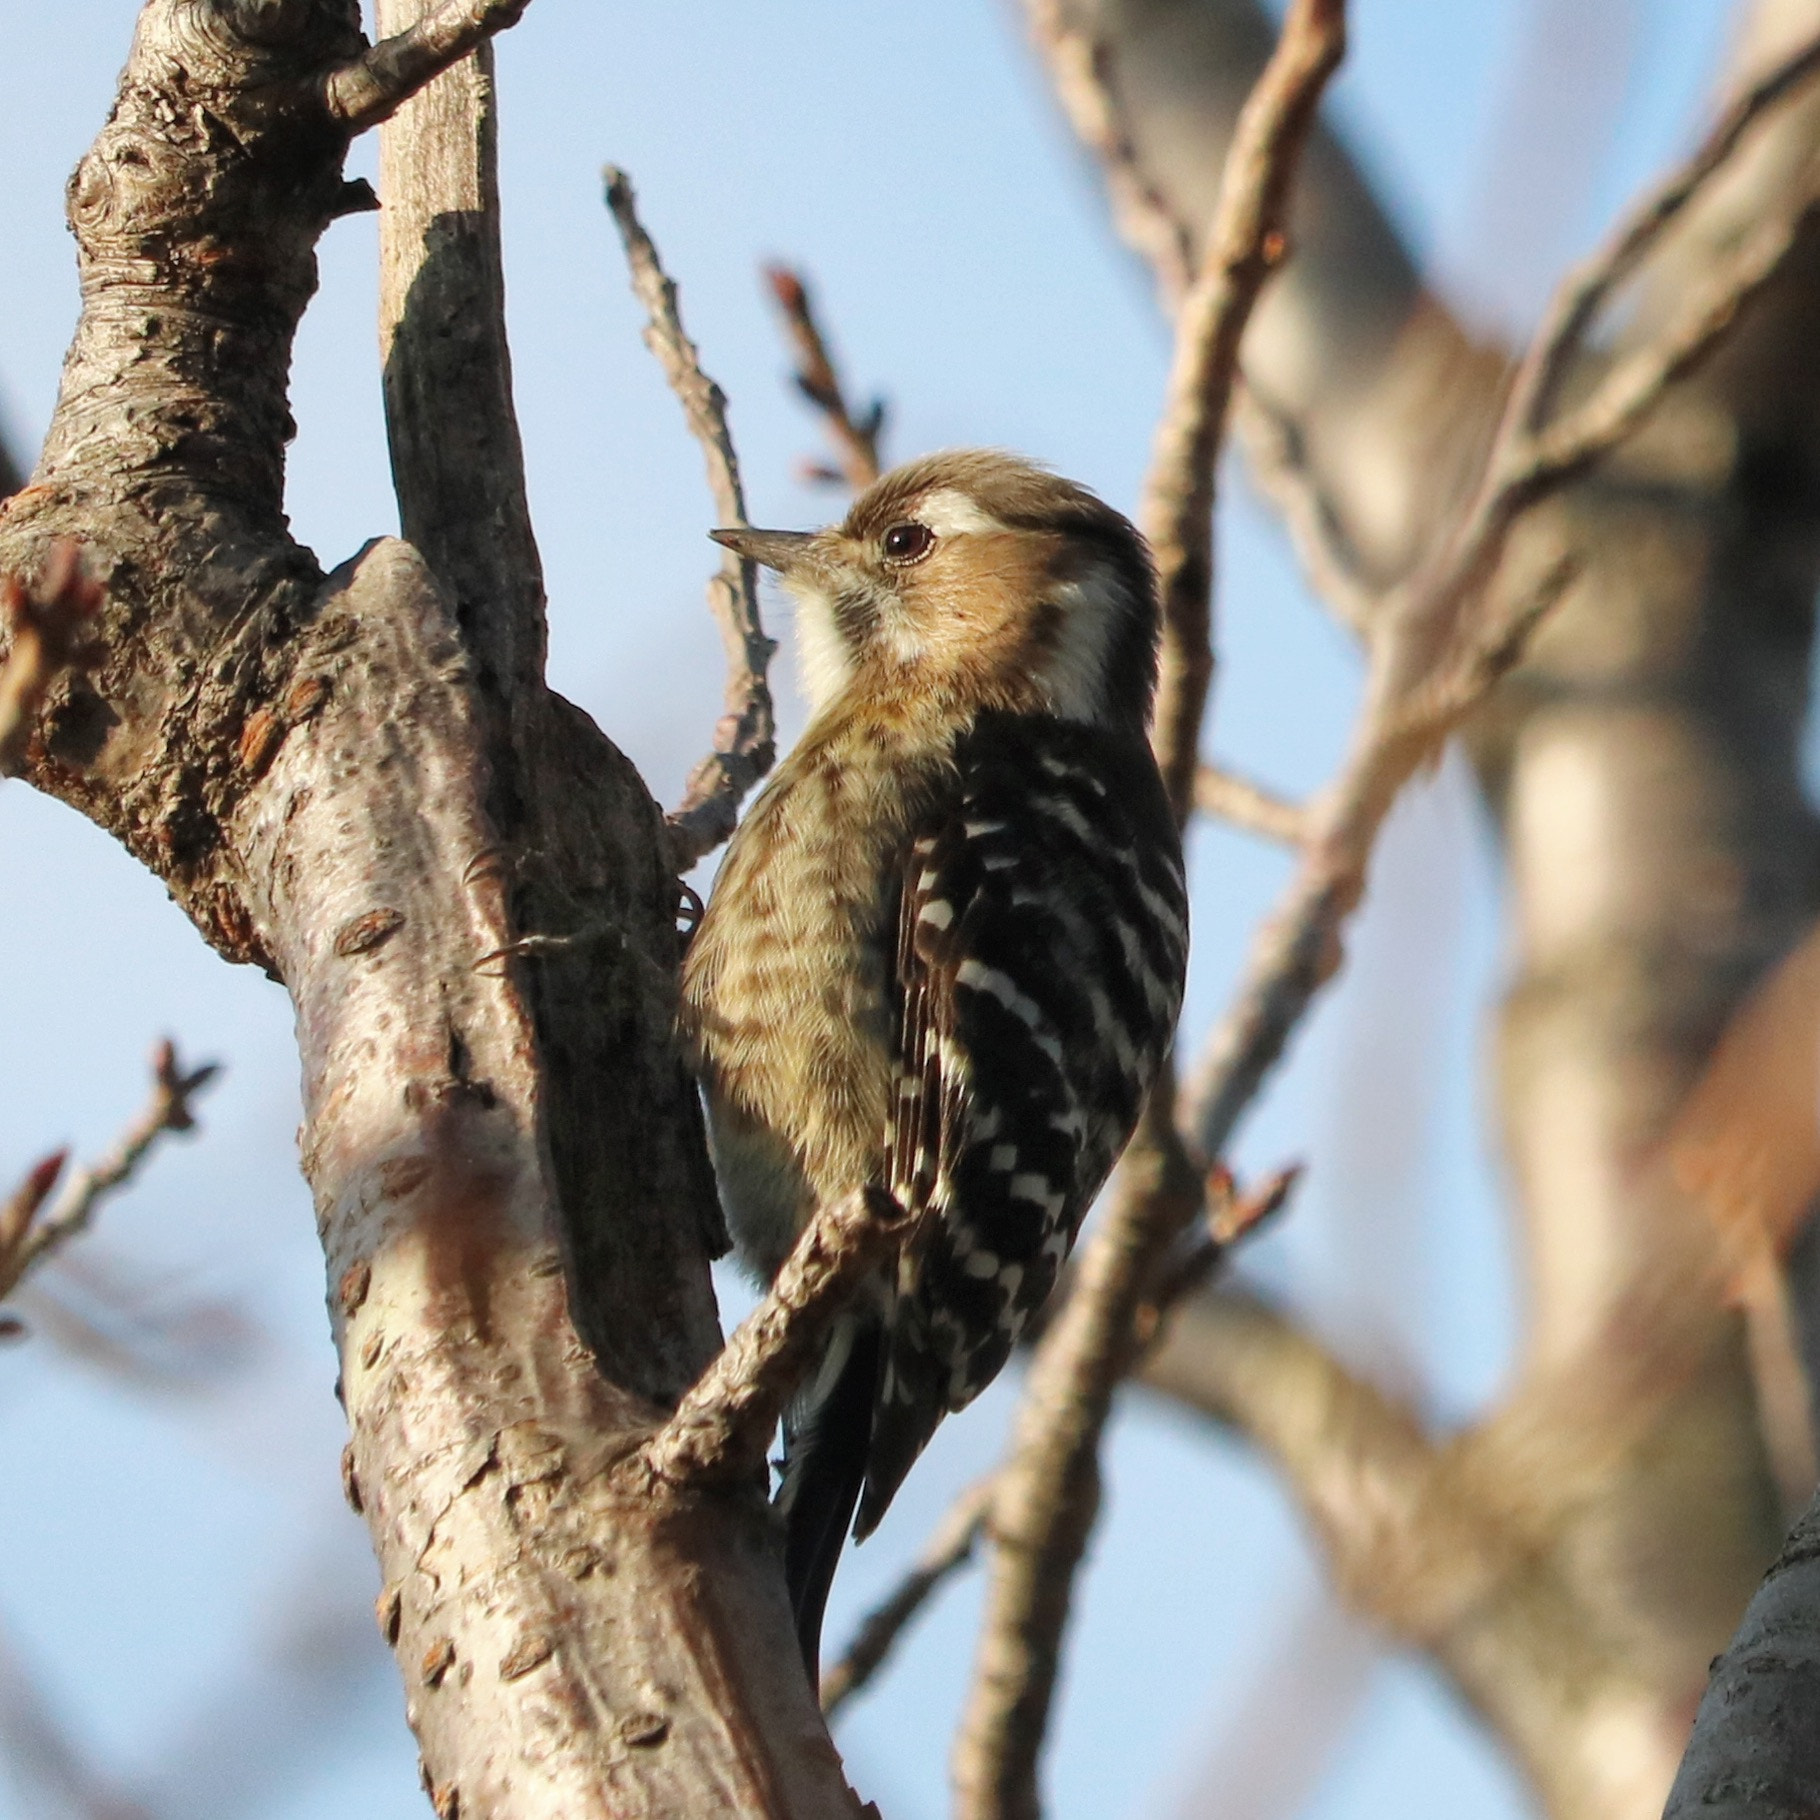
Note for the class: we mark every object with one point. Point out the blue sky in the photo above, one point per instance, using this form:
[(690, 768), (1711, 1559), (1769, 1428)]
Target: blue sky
[(170, 1560)]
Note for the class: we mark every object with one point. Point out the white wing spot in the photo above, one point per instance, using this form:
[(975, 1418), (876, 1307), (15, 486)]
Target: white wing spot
[(1036, 1190), (938, 913)]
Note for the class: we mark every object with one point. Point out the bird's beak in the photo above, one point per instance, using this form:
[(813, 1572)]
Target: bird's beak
[(779, 550)]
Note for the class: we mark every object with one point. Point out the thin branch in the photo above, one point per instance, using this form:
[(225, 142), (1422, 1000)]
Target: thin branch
[(1277, 461), (855, 438), (1232, 1214), (745, 741), (1048, 1495), (51, 623), (722, 1428), (371, 89), (1077, 61), (1578, 302), (1247, 805), (947, 1551), (28, 1235), (1247, 242)]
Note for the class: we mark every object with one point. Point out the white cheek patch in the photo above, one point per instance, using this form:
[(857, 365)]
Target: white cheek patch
[(950, 513), (823, 659), (1074, 673)]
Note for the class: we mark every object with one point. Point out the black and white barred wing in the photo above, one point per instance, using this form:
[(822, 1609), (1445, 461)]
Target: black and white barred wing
[(1041, 946)]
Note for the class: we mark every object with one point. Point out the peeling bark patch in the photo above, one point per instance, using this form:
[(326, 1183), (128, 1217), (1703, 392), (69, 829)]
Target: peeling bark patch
[(260, 739), (447, 1802), (356, 1280), (438, 1659), (388, 1609), (306, 699), (365, 933), (643, 1730), (371, 1348), (531, 1651), (350, 1481)]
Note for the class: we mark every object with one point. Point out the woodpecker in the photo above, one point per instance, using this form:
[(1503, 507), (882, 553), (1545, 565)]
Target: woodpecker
[(944, 953)]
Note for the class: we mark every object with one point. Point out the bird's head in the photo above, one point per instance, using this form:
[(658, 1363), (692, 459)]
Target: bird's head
[(978, 577)]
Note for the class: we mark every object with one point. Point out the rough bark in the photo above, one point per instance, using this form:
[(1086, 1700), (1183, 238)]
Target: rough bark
[(1755, 1751), (361, 783)]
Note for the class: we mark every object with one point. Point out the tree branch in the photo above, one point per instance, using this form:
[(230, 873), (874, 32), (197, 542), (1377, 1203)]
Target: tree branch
[(855, 439), (370, 90), (745, 742), (723, 1427), (1755, 1752), (362, 782), (1247, 805), (28, 1235)]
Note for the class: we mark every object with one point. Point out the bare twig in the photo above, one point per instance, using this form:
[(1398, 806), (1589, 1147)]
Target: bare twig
[(50, 622), (1232, 1214), (1432, 657), (371, 89), (1248, 805), (28, 1235), (1078, 67), (745, 741), (1564, 330), (723, 1427), (1278, 465), (948, 1550), (1248, 240), (855, 438)]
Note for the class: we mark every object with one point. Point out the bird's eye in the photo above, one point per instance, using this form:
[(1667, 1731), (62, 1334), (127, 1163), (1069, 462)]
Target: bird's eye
[(909, 542)]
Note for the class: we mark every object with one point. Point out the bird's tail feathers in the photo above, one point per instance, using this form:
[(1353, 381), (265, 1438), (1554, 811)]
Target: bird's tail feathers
[(827, 1437)]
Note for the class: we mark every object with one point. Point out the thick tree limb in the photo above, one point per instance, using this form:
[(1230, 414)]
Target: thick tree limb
[(362, 782), (1755, 1751), (745, 742)]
